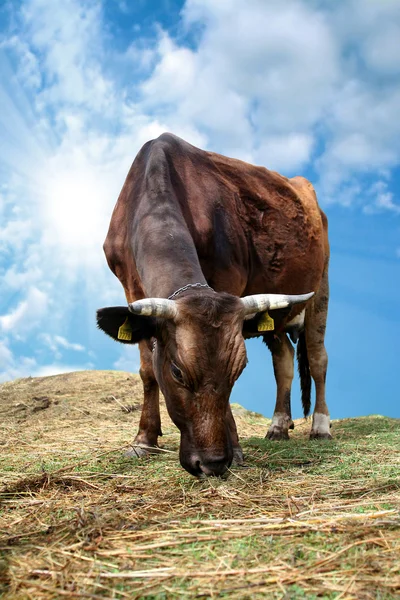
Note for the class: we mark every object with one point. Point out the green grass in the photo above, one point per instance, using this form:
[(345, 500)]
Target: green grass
[(303, 519)]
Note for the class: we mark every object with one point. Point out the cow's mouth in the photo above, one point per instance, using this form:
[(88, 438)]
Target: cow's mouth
[(202, 464)]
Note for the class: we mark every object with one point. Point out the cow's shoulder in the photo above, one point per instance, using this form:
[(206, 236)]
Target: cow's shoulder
[(168, 138), (169, 142)]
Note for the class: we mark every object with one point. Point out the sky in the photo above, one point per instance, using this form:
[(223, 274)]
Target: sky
[(304, 87)]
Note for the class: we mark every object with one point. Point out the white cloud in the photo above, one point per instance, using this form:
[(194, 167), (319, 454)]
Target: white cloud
[(129, 359), (69, 36), (15, 234), (140, 55), (29, 70), (261, 69), (363, 134), (381, 199), (55, 342), (269, 80), (61, 341), (11, 366), (17, 277), (57, 369), (285, 84), (173, 76), (65, 165), (291, 151), (24, 317), (373, 28), (6, 356)]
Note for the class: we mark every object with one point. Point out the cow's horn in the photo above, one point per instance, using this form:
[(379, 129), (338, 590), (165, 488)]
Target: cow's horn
[(154, 307), (261, 302)]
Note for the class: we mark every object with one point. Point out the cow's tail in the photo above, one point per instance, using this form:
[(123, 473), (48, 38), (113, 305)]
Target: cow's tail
[(304, 373)]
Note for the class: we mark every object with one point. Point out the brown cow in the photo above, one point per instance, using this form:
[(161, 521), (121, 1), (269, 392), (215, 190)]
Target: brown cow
[(204, 246)]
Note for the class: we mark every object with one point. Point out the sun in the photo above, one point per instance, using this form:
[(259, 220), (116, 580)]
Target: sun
[(76, 205)]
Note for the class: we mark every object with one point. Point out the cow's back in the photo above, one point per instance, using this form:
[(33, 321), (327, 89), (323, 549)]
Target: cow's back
[(284, 228), (254, 230)]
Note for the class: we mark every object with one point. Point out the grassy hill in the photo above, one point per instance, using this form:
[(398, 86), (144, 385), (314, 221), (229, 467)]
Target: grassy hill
[(79, 520)]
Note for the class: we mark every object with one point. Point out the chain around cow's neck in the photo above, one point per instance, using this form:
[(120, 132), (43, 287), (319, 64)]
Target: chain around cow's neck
[(183, 289), (187, 287)]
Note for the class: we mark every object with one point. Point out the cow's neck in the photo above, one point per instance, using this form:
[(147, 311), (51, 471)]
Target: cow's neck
[(165, 255)]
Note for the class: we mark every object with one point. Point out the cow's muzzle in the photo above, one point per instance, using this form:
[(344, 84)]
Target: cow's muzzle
[(205, 463)]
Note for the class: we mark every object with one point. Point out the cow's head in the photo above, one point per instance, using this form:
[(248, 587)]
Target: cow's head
[(199, 354)]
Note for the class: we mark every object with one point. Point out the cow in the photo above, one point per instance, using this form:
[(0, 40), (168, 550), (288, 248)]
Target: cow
[(211, 250)]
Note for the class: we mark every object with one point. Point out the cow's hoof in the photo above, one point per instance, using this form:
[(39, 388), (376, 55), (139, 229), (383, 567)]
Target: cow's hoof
[(140, 450), (320, 429), (238, 458), (277, 433), (316, 435)]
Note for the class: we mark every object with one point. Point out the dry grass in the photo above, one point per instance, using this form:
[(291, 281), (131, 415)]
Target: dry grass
[(79, 520)]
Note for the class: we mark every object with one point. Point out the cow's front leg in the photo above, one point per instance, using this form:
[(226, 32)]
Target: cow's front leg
[(238, 457), (146, 439), (282, 358)]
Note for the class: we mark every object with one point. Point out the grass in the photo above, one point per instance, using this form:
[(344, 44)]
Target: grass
[(79, 520)]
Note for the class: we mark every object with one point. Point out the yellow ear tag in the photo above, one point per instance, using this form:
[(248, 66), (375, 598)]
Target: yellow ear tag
[(125, 331), (265, 323)]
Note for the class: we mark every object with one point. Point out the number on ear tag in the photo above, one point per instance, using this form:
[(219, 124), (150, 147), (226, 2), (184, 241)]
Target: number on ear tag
[(125, 331), (265, 323)]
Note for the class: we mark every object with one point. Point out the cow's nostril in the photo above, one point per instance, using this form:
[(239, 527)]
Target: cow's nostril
[(199, 465), (214, 468)]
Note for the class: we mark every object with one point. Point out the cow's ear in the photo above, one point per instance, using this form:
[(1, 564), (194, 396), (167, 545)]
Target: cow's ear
[(123, 326), (249, 327)]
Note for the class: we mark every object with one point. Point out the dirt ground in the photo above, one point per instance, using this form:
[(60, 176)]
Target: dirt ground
[(78, 519)]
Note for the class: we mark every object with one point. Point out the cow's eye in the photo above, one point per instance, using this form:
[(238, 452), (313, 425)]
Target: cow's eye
[(176, 373)]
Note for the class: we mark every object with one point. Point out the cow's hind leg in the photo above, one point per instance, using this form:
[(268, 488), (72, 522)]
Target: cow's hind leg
[(237, 450), (146, 439), (315, 324), (282, 358)]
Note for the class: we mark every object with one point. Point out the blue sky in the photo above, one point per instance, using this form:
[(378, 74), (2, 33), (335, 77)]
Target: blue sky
[(303, 86)]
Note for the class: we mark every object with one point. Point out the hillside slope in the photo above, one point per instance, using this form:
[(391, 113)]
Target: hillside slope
[(78, 519)]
